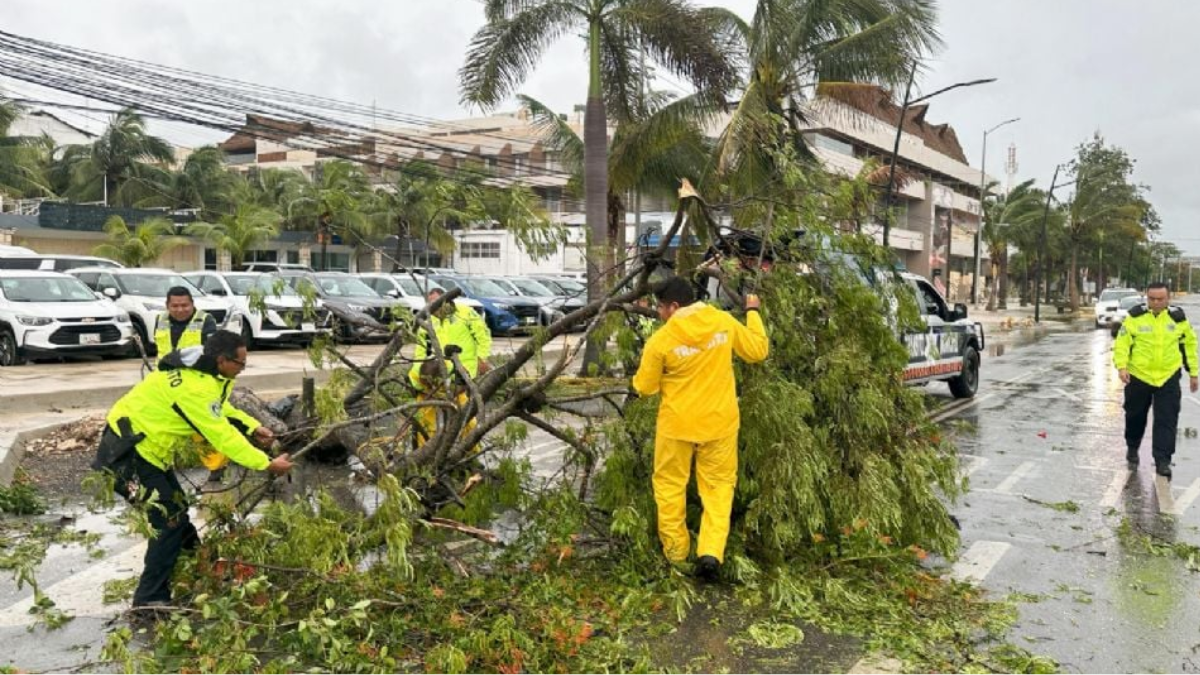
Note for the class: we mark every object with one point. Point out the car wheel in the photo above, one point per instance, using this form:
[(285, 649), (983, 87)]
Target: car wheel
[(147, 345), (10, 354), (967, 383), (247, 333)]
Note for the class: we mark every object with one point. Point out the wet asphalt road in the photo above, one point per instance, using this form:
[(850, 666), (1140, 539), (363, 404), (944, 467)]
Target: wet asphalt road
[(1048, 425)]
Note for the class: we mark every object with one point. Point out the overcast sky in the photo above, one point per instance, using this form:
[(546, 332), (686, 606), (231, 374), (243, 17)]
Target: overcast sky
[(1067, 68)]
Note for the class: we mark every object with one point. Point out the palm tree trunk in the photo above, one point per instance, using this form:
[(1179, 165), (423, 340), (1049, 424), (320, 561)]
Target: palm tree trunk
[(595, 181), (1002, 290), (614, 252), (995, 285)]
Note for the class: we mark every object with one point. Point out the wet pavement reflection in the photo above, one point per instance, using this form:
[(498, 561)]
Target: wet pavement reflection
[(1095, 554)]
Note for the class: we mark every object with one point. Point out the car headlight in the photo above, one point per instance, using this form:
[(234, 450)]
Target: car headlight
[(122, 318), (502, 307), (35, 320), (154, 306)]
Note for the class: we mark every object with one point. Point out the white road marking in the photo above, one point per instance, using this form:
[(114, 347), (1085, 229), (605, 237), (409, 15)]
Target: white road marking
[(1185, 500), (1112, 496), (1162, 489), (976, 464), (979, 560), (1005, 487), (1069, 395), (81, 594)]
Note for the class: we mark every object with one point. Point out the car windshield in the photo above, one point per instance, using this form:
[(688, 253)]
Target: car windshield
[(533, 289), (269, 285), (506, 286), (485, 288), (153, 285), (46, 289), (1130, 302), (411, 287), (346, 287), (1112, 295)]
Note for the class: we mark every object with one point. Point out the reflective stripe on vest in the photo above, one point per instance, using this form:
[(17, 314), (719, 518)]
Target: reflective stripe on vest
[(192, 336)]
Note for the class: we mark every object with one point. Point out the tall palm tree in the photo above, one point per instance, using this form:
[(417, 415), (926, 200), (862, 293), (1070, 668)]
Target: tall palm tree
[(249, 227), (418, 203), (24, 160), (672, 33), (118, 167), (1020, 208), (203, 182), (336, 201), (140, 245), (649, 154), (792, 48)]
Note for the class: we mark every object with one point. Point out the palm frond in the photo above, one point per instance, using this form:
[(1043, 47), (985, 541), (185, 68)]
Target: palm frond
[(556, 133), (504, 51)]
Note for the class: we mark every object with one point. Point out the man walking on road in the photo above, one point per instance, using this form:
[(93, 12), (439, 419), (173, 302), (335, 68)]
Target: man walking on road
[(1154, 344), (690, 361), (149, 427), (181, 325)]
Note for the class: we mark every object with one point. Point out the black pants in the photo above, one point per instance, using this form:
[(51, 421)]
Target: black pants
[(1139, 398), (174, 531)]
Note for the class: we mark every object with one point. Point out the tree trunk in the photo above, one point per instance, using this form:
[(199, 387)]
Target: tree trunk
[(614, 251), (1003, 287), (1072, 281), (595, 182), (994, 290)]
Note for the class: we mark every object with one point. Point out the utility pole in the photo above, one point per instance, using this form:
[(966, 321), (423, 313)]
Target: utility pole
[(983, 207), (1037, 302)]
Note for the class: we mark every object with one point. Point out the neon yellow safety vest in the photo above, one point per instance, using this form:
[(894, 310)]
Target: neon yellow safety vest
[(171, 407), (464, 328), (1152, 347), (192, 336)]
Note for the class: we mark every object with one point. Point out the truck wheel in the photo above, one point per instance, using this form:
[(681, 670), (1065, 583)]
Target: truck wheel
[(10, 354), (967, 383)]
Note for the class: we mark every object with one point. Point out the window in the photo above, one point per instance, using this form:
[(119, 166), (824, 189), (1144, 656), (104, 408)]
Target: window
[(210, 258), (931, 302), (210, 283), (262, 256), (89, 278), (832, 144), (293, 257), (338, 262), (480, 249)]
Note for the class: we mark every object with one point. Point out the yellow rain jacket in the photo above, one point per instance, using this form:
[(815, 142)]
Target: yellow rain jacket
[(1152, 347), (177, 403), (464, 328), (689, 361)]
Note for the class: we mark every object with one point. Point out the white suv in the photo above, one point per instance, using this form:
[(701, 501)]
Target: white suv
[(1108, 304), (52, 314), (284, 320), (143, 293), (410, 289)]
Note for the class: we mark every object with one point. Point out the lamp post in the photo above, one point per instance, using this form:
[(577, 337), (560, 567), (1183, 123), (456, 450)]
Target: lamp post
[(982, 210), (887, 200)]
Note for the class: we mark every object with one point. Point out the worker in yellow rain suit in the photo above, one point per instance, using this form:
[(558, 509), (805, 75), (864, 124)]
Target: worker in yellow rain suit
[(455, 326), (689, 360)]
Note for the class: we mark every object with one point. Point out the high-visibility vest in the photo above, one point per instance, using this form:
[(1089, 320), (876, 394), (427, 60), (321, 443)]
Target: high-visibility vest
[(192, 336)]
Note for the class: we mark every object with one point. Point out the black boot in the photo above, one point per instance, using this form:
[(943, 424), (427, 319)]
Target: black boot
[(707, 568)]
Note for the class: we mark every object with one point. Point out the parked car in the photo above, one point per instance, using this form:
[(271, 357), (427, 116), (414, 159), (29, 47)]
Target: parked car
[(1109, 302), (54, 262), (554, 306), (347, 294), (410, 289), (284, 319), (275, 267), (52, 314), (1118, 317), (563, 286), (142, 292), (504, 313)]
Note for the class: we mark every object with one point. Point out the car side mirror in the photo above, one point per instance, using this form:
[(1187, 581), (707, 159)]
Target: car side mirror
[(111, 293), (392, 293), (960, 311)]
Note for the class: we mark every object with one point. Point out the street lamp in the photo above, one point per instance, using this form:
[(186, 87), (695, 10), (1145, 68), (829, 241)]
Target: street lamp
[(982, 211), (887, 220)]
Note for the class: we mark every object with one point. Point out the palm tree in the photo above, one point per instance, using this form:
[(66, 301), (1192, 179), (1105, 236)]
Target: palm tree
[(337, 199), (201, 183), (418, 203), (649, 155), (24, 160), (1020, 208), (670, 32), (135, 247), (793, 47), (118, 167), (249, 227)]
